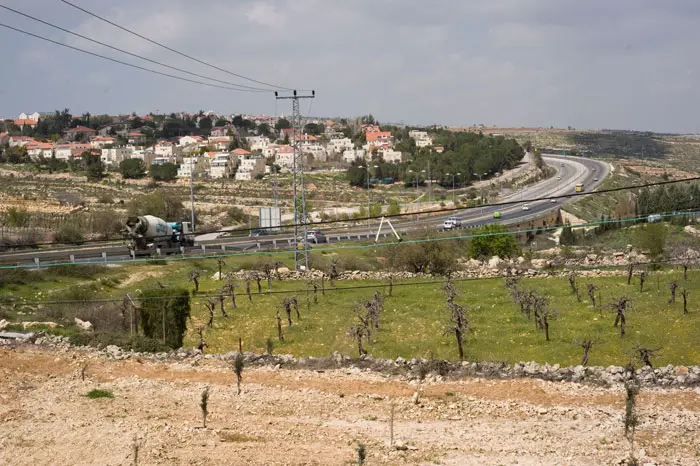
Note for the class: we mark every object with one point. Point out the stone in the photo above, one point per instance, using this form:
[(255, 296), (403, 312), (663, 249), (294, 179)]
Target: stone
[(83, 324), (680, 370), (494, 262), (39, 324), (4, 324), (400, 445)]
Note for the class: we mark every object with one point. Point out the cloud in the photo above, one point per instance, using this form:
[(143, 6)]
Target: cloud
[(626, 64)]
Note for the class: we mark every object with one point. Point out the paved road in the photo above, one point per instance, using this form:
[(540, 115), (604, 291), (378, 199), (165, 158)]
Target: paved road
[(571, 170)]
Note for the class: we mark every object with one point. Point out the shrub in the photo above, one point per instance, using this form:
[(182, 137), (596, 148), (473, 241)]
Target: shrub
[(493, 240), (17, 217), (236, 215), (171, 305), (435, 257), (96, 393), (69, 234)]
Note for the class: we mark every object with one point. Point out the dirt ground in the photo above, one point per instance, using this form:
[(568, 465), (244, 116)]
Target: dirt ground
[(294, 417)]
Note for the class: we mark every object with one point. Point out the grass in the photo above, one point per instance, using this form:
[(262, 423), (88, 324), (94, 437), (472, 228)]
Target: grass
[(97, 393), (415, 317)]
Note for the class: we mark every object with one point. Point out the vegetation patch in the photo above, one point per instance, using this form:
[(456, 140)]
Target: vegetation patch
[(97, 393)]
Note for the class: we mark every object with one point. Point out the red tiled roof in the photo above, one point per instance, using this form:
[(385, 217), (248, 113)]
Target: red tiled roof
[(80, 129), (289, 131), (25, 121), (382, 135), (241, 152)]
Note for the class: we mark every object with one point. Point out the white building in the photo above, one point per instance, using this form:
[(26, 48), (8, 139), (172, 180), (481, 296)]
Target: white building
[(249, 166), (146, 155), (98, 142), (190, 140), (115, 155), (318, 152), (340, 145), (285, 157), (258, 142), (391, 156), (421, 137), (193, 166), (42, 149), (167, 149), (351, 155), (64, 152), (221, 165), (29, 116)]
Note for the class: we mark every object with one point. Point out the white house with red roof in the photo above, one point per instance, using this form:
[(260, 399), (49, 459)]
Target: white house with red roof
[(286, 132), (15, 141), (284, 156), (73, 133), (98, 142), (137, 138), (41, 149), (28, 122), (221, 131), (191, 140), (220, 143)]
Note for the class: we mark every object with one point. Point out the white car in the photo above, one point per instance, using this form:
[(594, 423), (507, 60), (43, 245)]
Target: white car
[(526, 207), (559, 177), (448, 225), (553, 201)]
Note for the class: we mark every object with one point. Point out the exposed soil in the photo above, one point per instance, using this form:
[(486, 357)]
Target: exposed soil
[(295, 417)]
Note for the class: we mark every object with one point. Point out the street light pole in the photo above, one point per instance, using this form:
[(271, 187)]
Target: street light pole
[(482, 190)]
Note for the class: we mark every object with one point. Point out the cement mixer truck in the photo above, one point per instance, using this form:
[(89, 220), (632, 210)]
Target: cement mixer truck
[(146, 233)]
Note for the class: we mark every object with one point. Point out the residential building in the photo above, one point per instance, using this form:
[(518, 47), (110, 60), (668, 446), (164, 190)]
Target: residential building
[(351, 155), (193, 166), (286, 132), (190, 140), (163, 160), (380, 138), (136, 138), (221, 131), (270, 150), (257, 142), (339, 145), (42, 149), (421, 137), (114, 156), (148, 156), (424, 142), (67, 152), (284, 157), (75, 133), (249, 166), (98, 142), (15, 141), (26, 122), (391, 156), (240, 152), (221, 165), (439, 149), (318, 152), (29, 116), (168, 149), (220, 143), (370, 129)]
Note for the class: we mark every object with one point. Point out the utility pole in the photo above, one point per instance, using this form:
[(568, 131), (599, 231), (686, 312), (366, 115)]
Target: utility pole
[(298, 183), (192, 190)]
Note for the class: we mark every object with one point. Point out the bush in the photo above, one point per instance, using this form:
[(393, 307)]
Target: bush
[(16, 217), (161, 204), (132, 168), (493, 240), (171, 305), (236, 215), (96, 393), (69, 234), (435, 257), (87, 271), (165, 172), (652, 238)]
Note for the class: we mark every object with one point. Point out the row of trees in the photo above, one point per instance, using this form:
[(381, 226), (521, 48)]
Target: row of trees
[(668, 198)]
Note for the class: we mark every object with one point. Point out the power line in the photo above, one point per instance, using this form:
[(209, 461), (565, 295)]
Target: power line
[(242, 86), (200, 297), (173, 50), (119, 61), (338, 248), (410, 214)]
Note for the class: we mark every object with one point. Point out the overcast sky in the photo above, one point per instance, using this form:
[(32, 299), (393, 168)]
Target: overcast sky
[(627, 64)]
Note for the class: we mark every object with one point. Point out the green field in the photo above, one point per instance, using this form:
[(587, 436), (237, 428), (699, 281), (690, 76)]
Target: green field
[(415, 317)]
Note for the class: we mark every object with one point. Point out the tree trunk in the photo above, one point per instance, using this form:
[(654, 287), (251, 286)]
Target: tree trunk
[(460, 343), (391, 286), (584, 361), (622, 325), (257, 281), (360, 349), (685, 271), (685, 302), (546, 328), (617, 319), (288, 310), (233, 298), (247, 291), (280, 335), (323, 285), (196, 286), (630, 270)]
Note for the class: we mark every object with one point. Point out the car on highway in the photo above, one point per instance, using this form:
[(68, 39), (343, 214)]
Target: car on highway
[(553, 201), (456, 221), (559, 177), (316, 236), (446, 225), (261, 232), (595, 179), (526, 206), (496, 214)]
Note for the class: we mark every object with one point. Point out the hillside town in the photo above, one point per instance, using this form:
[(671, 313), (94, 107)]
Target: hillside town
[(204, 145)]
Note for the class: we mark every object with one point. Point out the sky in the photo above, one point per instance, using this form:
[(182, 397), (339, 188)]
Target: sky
[(622, 64)]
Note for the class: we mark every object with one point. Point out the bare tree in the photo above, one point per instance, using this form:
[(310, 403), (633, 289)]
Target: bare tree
[(642, 277), (375, 308), (258, 280), (221, 263), (630, 271), (586, 344), (620, 306), (194, 278), (323, 285), (230, 289), (287, 302), (458, 318), (334, 272), (280, 335), (247, 288), (540, 305), (574, 287), (685, 293), (202, 344), (203, 405), (358, 332), (546, 315), (221, 298), (631, 417), (673, 286), (211, 306), (238, 363), (295, 304), (391, 288), (591, 294), (267, 270), (276, 266), (645, 354)]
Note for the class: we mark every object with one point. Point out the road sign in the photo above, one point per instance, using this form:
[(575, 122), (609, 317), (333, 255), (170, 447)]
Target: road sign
[(270, 217)]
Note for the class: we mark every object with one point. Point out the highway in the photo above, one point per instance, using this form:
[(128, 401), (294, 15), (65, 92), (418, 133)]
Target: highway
[(571, 170)]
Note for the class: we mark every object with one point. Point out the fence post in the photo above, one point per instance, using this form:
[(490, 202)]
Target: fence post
[(72, 258), (104, 256), (36, 261)]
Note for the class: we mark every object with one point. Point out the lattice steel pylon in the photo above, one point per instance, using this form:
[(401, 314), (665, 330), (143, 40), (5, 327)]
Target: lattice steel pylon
[(300, 214)]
